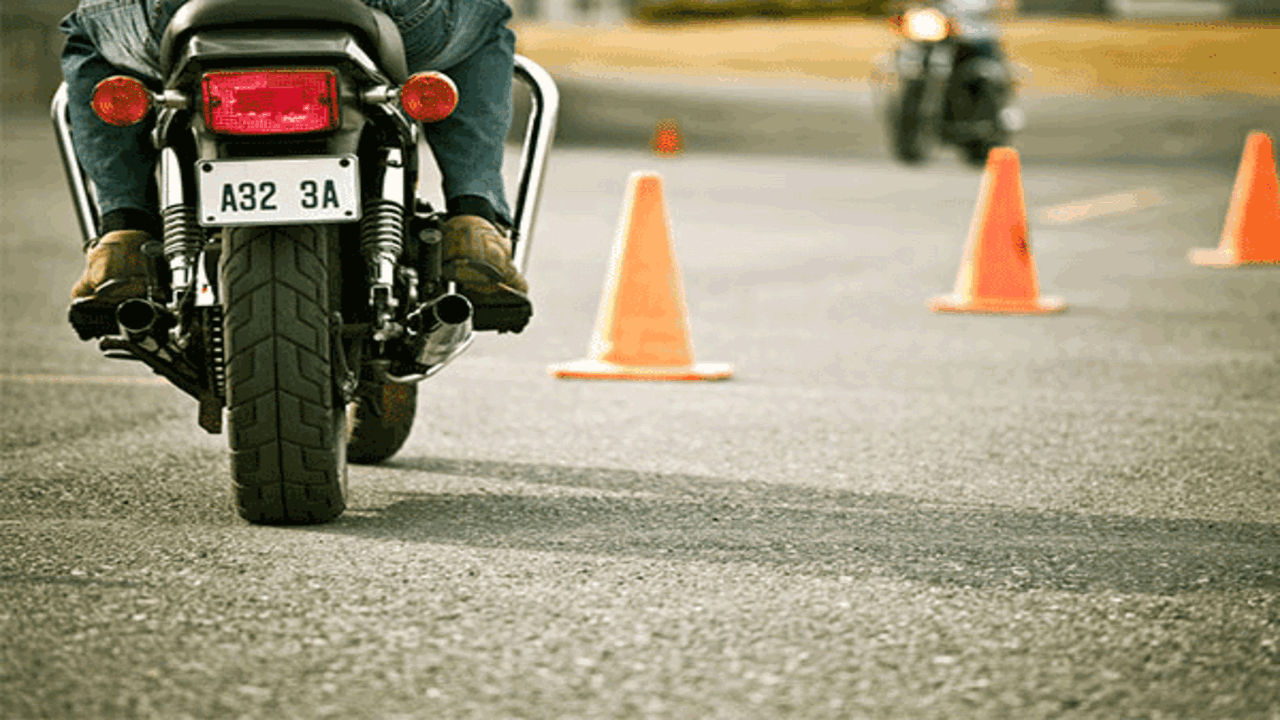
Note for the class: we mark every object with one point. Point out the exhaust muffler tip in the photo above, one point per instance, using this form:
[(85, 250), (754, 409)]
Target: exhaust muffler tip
[(143, 320), (446, 329), (452, 309), (137, 316)]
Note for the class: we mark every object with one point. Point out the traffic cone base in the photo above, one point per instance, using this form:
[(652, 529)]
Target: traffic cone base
[(1251, 233), (998, 274), (1218, 257), (596, 370), (1227, 257), (642, 327), (961, 304)]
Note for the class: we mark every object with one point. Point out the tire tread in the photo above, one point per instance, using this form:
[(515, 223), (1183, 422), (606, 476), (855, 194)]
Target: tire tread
[(287, 456)]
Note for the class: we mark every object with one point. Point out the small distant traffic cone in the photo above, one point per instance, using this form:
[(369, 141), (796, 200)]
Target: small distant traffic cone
[(642, 328), (1252, 231), (667, 138), (998, 274)]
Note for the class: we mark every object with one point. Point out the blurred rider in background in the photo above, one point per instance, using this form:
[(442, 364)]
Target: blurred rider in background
[(974, 29), (976, 32)]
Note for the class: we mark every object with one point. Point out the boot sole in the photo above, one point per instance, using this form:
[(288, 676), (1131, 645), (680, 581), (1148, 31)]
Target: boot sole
[(95, 316), (506, 310), (496, 305), (92, 319)]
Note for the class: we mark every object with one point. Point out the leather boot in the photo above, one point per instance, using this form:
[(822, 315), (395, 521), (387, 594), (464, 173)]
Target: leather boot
[(116, 269), (478, 257)]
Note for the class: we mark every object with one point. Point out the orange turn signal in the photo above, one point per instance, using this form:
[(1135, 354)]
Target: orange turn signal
[(121, 101), (429, 96)]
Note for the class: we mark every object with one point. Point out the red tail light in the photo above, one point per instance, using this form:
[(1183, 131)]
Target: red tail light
[(270, 102), (429, 96), (121, 100)]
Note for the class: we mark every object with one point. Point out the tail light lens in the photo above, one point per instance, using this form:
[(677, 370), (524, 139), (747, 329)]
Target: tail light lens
[(429, 96), (270, 102), (121, 101)]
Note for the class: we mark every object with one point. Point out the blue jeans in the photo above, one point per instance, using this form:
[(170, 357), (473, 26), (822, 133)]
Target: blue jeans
[(466, 39)]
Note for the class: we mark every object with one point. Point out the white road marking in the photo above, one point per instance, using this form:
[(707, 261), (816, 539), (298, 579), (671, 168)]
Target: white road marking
[(1114, 204)]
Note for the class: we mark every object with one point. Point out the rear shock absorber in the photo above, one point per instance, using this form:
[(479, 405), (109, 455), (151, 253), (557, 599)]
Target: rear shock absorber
[(183, 236), (382, 242)]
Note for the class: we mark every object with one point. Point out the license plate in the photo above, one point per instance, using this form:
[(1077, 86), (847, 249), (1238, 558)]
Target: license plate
[(279, 190)]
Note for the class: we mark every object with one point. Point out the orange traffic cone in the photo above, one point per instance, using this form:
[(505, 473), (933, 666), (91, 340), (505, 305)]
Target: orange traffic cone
[(667, 138), (642, 329), (998, 274), (1252, 230)]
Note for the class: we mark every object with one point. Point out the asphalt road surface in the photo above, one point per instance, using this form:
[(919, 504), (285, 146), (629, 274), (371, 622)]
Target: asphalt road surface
[(886, 513)]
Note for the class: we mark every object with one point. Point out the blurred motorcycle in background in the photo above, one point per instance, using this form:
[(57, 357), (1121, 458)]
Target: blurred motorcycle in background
[(948, 81)]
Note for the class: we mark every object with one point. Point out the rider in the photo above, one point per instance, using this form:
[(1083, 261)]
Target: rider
[(975, 33), (466, 39)]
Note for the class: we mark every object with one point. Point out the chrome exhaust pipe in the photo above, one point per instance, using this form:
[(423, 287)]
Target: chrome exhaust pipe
[(142, 320), (443, 327), (137, 316), (436, 332)]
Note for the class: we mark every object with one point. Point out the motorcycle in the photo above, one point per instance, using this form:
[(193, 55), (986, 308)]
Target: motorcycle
[(297, 289), (948, 81)]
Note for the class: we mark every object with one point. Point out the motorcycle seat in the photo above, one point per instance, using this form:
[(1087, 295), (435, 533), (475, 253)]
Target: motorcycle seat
[(375, 28)]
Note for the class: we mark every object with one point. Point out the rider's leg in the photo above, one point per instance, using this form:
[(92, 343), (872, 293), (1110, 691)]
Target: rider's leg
[(119, 162), (477, 51), (470, 42)]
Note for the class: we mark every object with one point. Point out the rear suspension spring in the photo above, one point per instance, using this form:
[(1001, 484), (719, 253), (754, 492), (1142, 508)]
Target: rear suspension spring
[(381, 242), (183, 238), (382, 230)]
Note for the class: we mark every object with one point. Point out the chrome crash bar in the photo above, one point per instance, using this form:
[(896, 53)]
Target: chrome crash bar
[(82, 194), (544, 109)]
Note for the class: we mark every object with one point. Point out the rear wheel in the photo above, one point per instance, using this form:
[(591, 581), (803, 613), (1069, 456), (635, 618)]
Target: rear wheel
[(286, 418), (381, 418)]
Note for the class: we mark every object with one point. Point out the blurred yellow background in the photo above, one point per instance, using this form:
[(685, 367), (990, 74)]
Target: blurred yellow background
[(1058, 56)]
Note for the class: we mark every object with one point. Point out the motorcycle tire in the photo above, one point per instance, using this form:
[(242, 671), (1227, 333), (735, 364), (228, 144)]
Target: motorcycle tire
[(908, 124), (286, 417), (380, 418)]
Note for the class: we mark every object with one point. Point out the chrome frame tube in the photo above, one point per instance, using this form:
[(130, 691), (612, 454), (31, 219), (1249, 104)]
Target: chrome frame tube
[(82, 195), (539, 134)]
